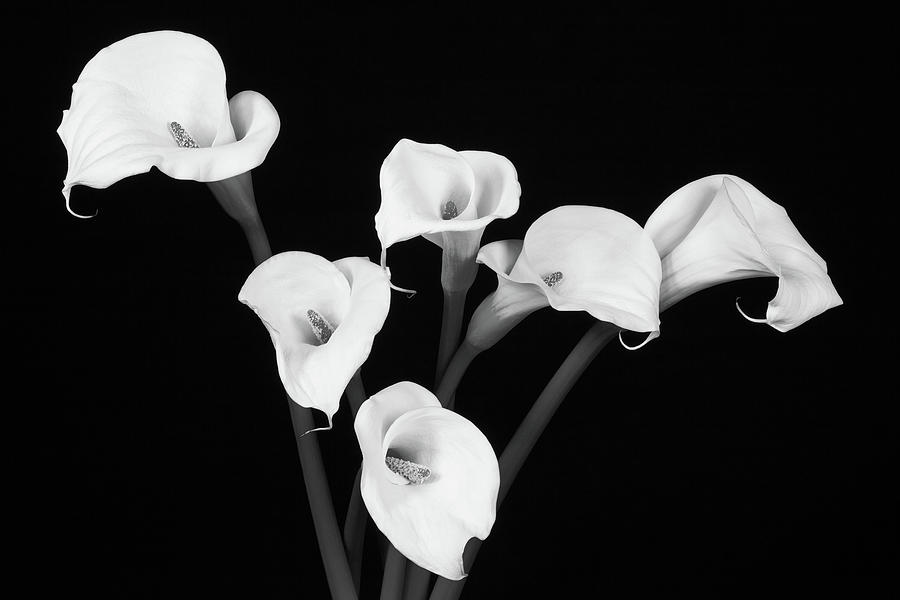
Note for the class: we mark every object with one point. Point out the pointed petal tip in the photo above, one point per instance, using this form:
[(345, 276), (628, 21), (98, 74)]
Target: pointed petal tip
[(745, 315), (66, 192), (409, 293), (651, 336), (313, 411), (387, 272)]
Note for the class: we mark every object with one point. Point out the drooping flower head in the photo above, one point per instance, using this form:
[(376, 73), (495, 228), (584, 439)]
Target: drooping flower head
[(158, 99), (322, 317), (572, 258), (430, 478), (448, 197), (721, 228)]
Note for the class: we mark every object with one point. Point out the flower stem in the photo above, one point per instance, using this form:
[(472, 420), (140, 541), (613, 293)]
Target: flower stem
[(337, 569), (236, 197), (526, 436), (418, 580), (451, 326), (446, 391), (257, 239), (356, 392), (394, 572), (355, 530), (357, 516), (543, 409)]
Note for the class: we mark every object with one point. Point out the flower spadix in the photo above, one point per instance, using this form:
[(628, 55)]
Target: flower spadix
[(429, 477), (448, 197), (158, 99), (572, 258), (322, 317), (721, 228)]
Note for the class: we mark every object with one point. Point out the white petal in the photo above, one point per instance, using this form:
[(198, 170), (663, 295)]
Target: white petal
[(719, 229), (126, 96), (509, 303), (351, 294), (804, 289), (500, 256), (418, 180), (608, 264), (429, 523), (496, 192), (378, 413)]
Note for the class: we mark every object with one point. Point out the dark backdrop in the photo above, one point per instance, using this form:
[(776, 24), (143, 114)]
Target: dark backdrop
[(151, 447)]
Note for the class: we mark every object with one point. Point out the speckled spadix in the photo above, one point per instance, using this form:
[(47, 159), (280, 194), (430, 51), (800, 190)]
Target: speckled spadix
[(322, 317), (158, 99), (429, 479)]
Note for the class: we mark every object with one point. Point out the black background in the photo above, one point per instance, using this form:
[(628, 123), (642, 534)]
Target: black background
[(151, 452)]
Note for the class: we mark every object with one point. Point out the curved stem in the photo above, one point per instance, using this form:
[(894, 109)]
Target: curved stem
[(530, 430), (394, 572), (543, 409), (464, 356)]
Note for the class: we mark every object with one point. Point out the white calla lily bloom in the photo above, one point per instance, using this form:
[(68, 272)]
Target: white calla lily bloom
[(430, 478), (322, 316), (158, 99), (448, 197), (572, 258), (721, 228)]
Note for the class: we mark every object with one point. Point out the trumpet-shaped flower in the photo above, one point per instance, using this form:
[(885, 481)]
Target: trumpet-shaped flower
[(448, 197), (430, 478), (719, 229), (322, 318), (572, 258), (158, 99)]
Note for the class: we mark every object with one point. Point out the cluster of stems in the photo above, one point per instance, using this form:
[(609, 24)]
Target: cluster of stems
[(342, 553)]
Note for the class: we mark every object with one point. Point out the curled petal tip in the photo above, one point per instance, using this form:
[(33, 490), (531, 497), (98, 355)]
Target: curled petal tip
[(721, 228), (72, 212), (322, 318), (387, 272), (745, 315), (650, 336), (314, 429), (131, 92), (409, 293)]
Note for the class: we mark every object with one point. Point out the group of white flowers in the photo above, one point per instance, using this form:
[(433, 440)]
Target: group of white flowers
[(430, 478)]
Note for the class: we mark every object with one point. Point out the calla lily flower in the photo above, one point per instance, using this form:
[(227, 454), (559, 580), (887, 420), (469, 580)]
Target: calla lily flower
[(158, 99), (430, 478), (448, 197), (719, 229), (572, 258), (322, 316)]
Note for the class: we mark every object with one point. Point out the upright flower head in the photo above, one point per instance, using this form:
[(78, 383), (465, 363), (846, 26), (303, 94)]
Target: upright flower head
[(572, 258), (719, 229), (322, 317), (158, 99), (448, 197), (430, 478)]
